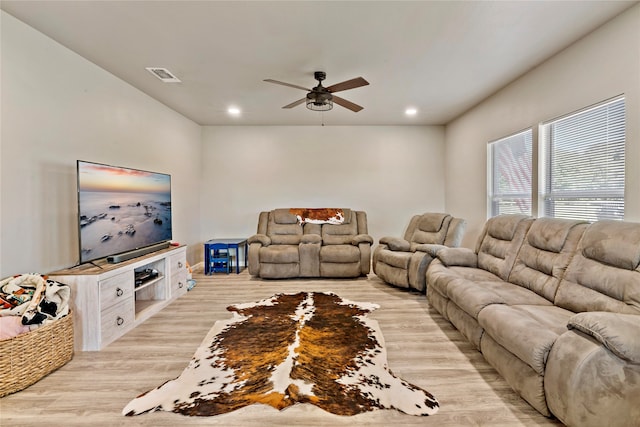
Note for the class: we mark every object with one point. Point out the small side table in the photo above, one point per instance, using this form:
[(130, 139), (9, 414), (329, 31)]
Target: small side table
[(214, 245)]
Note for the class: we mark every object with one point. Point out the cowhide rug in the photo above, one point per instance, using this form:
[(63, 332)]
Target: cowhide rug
[(307, 347)]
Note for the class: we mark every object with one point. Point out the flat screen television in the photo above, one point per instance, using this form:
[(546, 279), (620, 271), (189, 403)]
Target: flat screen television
[(121, 210)]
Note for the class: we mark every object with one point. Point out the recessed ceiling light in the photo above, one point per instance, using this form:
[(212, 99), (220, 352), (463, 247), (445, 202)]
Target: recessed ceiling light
[(234, 111), (411, 111)]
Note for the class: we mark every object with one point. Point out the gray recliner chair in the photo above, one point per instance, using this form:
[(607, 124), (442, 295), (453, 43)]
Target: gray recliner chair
[(403, 261)]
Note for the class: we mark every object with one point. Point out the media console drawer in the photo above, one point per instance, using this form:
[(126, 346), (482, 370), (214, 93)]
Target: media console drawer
[(116, 289), (178, 274), (106, 302), (117, 320)]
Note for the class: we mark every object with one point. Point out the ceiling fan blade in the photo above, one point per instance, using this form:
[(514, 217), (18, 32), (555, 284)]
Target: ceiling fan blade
[(349, 84), (286, 84), (295, 103), (347, 104)]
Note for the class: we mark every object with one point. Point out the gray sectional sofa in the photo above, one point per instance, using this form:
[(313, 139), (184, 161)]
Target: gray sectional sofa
[(283, 247), (403, 261), (554, 307)]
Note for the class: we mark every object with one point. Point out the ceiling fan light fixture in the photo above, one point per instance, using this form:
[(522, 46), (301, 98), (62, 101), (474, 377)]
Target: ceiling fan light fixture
[(319, 101), (318, 105)]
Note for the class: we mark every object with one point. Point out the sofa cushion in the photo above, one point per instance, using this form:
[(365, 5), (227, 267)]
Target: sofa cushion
[(431, 228), (545, 254), (340, 254), (395, 259), (440, 277), (342, 234), (331, 239), (285, 239), (503, 227), (613, 243), (600, 276), (499, 244), (432, 222), (527, 331), (283, 216), (282, 229), (474, 295), (279, 254), (550, 234)]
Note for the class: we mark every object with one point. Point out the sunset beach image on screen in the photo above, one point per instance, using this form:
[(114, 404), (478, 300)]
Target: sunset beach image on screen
[(121, 209)]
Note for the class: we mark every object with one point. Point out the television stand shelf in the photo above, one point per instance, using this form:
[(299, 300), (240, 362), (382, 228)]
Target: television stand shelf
[(148, 283), (108, 303)]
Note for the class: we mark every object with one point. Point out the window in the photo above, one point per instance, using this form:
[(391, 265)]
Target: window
[(583, 164), (510, 174)]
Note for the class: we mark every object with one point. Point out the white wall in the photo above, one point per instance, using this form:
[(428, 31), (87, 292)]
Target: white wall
[(58, 107), (391, 172), (604, 64)]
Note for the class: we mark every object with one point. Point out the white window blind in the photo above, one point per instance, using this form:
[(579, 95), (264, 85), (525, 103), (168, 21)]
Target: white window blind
[(584, 164), (510, 174)]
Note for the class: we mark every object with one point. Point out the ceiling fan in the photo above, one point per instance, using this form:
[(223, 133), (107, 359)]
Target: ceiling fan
[(321, 98)]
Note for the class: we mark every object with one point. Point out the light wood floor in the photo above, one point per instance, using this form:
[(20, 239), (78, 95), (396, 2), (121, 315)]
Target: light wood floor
[(423, 348)]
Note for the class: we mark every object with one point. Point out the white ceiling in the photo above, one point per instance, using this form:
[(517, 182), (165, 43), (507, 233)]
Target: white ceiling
[(441, 57)]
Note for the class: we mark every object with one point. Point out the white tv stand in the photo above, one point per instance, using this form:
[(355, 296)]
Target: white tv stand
[(106, 301)]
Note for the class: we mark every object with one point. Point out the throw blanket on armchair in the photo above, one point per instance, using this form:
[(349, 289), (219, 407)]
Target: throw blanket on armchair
[(318, 215), (307, 347)]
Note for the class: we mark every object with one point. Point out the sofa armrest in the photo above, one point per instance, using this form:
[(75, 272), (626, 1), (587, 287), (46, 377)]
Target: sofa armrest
[(462, 257), (311, 238), (263, 239), (617, 332), (586, 384), (361, 238), (396, 244), (430, 248)]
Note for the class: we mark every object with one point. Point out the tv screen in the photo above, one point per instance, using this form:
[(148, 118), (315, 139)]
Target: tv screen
[(121, 209)]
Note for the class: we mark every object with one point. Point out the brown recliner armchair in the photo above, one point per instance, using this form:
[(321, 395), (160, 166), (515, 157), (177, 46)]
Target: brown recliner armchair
[(403, 262)]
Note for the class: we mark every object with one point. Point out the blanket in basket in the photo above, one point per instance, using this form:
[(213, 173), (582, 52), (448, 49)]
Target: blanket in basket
[(35, 298)]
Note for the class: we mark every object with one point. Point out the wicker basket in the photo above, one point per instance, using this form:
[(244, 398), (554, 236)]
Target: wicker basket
[(27, 358)]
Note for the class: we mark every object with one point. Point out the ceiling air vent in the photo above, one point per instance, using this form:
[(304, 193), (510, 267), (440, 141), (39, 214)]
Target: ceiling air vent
[(163, 74)]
